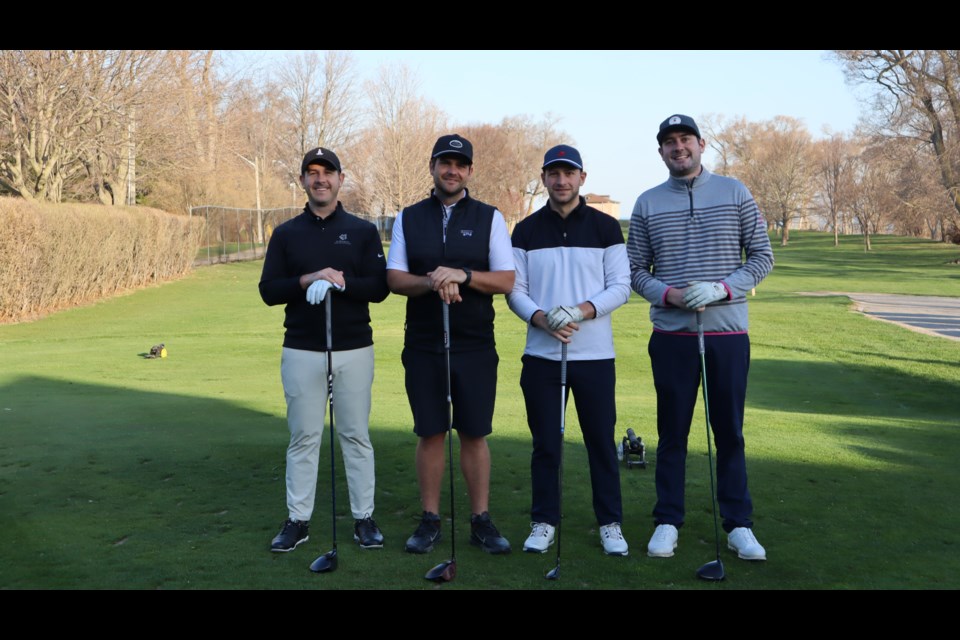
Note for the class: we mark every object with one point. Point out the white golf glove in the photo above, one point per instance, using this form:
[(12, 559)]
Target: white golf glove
[(700, 294), (560, 316), (317, 291)]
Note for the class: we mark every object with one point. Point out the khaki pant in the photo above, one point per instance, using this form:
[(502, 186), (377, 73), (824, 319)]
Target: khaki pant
[(304, 376)]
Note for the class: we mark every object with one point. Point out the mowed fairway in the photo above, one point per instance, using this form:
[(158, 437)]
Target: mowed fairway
[(120, 472)]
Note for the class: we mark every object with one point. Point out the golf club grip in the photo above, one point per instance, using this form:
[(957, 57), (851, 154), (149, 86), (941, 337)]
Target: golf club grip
[(700, 333), (446, 325), (563, 363), (329, 310)]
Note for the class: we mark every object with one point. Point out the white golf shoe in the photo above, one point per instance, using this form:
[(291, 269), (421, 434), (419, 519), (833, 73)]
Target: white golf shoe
[(612, 540), (745, 544), (663, 541), (541, 537)]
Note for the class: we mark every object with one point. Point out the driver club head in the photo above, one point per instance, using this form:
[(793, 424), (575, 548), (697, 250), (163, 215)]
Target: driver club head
[(712, 571), (444, 572), (553, 574), (325, 563)]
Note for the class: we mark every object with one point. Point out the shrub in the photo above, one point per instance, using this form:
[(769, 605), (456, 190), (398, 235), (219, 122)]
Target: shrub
[(57, 256)]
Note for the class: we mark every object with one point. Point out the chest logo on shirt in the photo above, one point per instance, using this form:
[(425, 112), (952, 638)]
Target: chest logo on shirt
[(466, 233), (342, 239)]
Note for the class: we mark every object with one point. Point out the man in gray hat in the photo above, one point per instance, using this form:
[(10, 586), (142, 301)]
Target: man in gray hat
[(451, 249), (686, 242)]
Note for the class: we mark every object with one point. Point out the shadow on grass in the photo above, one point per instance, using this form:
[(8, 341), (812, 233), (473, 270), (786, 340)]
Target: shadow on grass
[(104, 487), (846, 389)]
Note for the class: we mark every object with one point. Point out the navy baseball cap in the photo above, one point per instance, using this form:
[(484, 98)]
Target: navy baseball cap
[(320, 155), (453, 144), (562, 153), (677, 122)]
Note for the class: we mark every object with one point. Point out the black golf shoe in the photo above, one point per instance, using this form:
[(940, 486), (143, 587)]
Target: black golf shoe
[(367, 534), (484, 535), (426, 534), (293, 533)]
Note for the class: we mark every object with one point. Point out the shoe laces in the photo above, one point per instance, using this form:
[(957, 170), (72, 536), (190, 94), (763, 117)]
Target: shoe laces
[(290, 525), (747, 538), (661, 533), (367, 524), (540, 530), (484, 525), (611, 531), (427, 528)]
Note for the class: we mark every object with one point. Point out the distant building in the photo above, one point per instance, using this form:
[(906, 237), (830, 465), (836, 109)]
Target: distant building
[(605, 204)]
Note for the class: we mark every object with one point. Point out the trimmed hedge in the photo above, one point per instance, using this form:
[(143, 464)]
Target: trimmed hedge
[(58, 256)]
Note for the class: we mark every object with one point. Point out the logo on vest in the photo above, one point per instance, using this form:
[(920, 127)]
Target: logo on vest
[(466, 233), (342, 239)]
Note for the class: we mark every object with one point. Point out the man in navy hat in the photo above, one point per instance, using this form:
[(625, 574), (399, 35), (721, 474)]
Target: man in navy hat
[(572, 273), (326, 251), (451, 249), (686, 242)]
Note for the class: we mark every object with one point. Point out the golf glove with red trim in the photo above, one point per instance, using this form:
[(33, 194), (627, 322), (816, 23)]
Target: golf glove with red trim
[(700, 294), (560, 316), (317, 291)]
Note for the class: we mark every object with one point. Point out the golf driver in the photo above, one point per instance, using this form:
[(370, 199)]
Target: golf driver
[(713, 570), (447, 570), (328, 561), (554, 574)]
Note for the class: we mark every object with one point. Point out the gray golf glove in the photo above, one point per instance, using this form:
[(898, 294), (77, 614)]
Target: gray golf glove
[(560, 316), (700, 294), (317, 291)]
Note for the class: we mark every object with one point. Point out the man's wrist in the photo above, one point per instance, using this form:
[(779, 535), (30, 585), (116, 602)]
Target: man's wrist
[(469, 276)]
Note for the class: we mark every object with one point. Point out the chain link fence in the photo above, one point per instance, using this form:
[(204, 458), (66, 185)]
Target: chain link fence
[(231, 234)]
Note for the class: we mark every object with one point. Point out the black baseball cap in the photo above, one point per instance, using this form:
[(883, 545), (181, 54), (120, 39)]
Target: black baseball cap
[(320, 155), (562, 153), (677, 122), (453, 144)]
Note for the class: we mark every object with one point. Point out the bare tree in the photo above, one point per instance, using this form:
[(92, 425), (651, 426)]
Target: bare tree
[(66, 113), (919, 99), (403, 127), (832, 175), (774, 159), (508, 157)]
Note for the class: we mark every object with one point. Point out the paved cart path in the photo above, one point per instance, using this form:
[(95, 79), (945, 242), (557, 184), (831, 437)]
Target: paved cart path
[(933, 315)]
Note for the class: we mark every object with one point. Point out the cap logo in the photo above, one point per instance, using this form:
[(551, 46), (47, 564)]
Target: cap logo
[(456, 144), (674, 120), (319, 152), (562, 153)]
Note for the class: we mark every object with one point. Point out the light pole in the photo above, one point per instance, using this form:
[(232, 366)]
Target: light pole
[(255, 163)]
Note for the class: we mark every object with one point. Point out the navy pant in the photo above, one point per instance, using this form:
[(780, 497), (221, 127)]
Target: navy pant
[(675, 361), (593, 384)]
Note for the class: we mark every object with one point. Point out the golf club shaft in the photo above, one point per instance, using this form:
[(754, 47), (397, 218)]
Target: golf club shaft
[(446, 349), (333, 475), (706, 410), (563, 421)]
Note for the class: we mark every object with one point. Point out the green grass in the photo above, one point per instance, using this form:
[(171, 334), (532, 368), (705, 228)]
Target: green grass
[(120, 472)]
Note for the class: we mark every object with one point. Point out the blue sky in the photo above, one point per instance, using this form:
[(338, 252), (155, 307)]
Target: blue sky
[(612, 102)]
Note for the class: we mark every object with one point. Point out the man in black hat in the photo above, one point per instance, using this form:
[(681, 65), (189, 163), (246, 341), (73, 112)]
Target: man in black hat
[(572, 273), (687, 242), (326, 251), (451, 249)]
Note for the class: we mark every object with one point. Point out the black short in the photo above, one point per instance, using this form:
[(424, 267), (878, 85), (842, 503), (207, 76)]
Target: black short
[(473, 384)]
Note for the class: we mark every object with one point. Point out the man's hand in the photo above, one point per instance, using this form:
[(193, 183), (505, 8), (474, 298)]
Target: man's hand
[(563, 334), (443, 276), (329, 274), (562, 315), (700, 294)]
